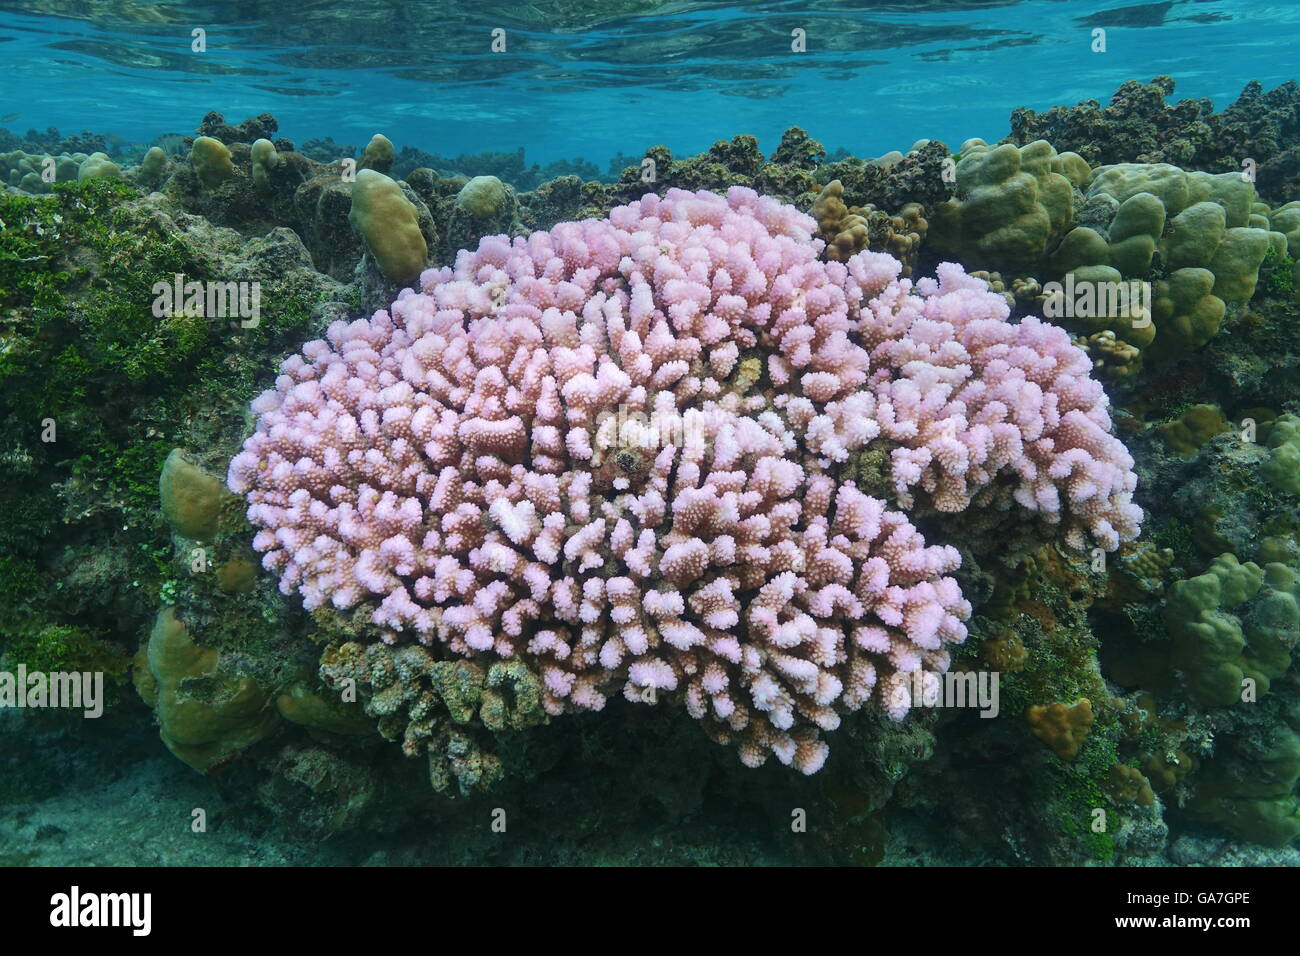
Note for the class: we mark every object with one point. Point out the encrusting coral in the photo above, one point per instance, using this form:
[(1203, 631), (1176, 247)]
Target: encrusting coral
[(1063, 727), (205, 716), (190, 498), (849, 230), (1234, 623)]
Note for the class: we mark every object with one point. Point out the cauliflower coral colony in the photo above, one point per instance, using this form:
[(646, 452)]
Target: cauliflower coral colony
[(622, 453)]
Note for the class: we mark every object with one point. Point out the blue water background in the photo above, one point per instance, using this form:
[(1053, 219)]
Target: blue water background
[(576, 81)]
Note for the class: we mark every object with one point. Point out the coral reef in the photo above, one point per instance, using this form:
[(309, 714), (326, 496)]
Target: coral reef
[(190, 498), (1099, 235), (544, 396), (98, 389), (1139, 126), (211, 161), (721, 453), (1018, 201), (1233, 628), (849, 230)]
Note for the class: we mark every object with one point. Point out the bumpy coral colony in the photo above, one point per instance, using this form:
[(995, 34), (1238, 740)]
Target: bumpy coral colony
[(615, 451)]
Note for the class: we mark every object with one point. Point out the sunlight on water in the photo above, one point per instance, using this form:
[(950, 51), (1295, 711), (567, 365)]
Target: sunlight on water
[(570, 84)]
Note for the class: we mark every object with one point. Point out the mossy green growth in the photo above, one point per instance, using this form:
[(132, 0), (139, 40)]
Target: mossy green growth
[(97, 390), (61, 648), (1277, 273), (82, 269), (1076, 816), (75, 342), (1178, 537)]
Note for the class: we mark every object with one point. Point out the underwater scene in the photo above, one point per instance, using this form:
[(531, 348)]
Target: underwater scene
[(650, 433)]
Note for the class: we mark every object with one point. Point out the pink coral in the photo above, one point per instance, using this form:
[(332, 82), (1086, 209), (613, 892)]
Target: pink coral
[(613, 450)]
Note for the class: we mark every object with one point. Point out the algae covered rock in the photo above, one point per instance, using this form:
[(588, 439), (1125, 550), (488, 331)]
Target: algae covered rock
[(1249, 787), (323, 205), (316, 793)]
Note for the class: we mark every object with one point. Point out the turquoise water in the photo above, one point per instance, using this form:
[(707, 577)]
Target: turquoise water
[(576, 83)]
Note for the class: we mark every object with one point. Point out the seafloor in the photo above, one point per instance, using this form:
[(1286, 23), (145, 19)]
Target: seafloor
[(1152, 690)]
